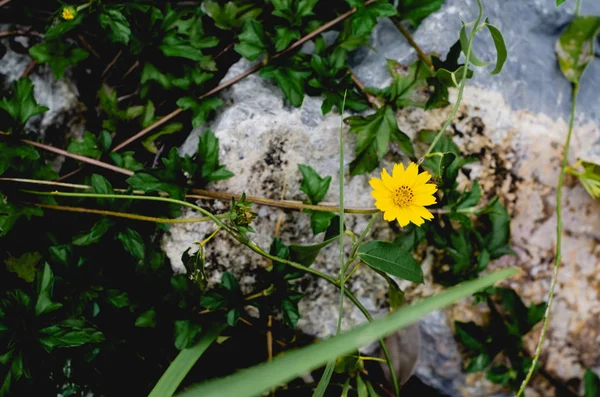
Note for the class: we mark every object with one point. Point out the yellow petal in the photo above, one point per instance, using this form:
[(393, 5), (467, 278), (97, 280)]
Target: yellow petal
[(411, 173), (384, 205), (424, 189), (391, 214), (403, 217), (422, 212), (424, 199), (398, 174), (421, 179), (388, 180), (378, 184), (381, 195)]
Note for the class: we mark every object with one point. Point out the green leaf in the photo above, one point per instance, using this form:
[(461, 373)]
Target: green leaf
[(374, 134), (149, 183), (169, 382), (306, 254), (591, 384), (291, 82), (113, 20), (213, 300), (126, 160), (60, 28), (93, 236), (410, 241), (186, 333), (24, 265), (471, 198), (500, 47), (313, 184), (87, 146), (575, 47), (133, 243), (200, 110), (396, 296), (414, 11), (102, 186), (365, 18), (58, 55), (471, 336), (498, 221), (22, 106), (284, 36), (464, 44), (253, 41), (261, 378), (11, 154), (589, 178), (231, 16), (10, 213), (232, 317), (389, 258), (290, 312), (150, 142), (210, 169), (320, 221), (361, 387), (117, 298), (558, 4), (147, 319), (45, 284)]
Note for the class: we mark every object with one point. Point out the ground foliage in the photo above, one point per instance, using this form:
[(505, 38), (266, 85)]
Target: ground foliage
[(85, 299)]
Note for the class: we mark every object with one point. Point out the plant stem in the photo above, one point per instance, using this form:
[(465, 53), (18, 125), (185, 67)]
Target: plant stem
[(411, 41), (462, 85), (557, 256), (126, 215), (577, 7)]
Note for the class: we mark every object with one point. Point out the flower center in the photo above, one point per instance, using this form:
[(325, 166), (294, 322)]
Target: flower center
[(403, 196)]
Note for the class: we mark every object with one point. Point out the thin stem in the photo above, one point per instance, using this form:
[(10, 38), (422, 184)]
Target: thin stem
[(461, 88), (577, 7), (352, 271), (372, 99), (213, 234), (367, 358), (412, 42), (84, 159), (557, 256), (125, 214), (242, 76)]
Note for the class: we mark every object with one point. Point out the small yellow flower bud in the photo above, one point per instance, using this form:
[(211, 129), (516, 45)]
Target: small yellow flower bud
[(68, 13)]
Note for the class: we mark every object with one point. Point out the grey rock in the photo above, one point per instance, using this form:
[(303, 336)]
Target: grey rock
[(65, 114)]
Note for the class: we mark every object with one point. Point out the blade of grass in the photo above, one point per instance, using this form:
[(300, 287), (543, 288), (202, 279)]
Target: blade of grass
[(183, 363), (256, 380)]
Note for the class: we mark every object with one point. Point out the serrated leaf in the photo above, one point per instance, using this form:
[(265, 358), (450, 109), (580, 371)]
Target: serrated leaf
[(58, 55), (253, 41), (470, 198), (365, 18), (22, 105), (186, 333), (306, 254), (575, 47), (389, 258), (320, 221), (313, 184), (231, 16), (87, 146), (210, 169), (95, 234), (284, 35), (133, 243), (24, 266), (292, 82), (13, 153), (113, 20), (200, 109), (414, 11), (118, 298), (374, 134), (45, 284)]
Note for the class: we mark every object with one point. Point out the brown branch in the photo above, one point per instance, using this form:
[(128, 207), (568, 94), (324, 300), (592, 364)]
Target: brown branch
[(372, 99), (70, 174), (122, 214), (425, 58), (4, 2), (29, 68), (242, 76), (20, 32), (88, 46), (111, 64), (84, 159), (132, 68)]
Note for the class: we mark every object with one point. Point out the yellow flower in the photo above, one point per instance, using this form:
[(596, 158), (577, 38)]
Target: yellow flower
[(404, 194), (68, 13)]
